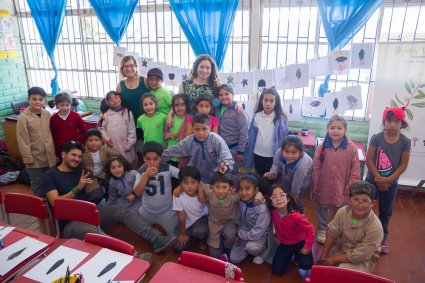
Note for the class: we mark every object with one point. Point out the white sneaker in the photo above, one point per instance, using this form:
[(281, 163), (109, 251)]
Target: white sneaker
[(321, 237), (258, 260)]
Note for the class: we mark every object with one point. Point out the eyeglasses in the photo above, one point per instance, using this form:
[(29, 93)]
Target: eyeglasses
[(275, 197), (360, 202), (129, 66)]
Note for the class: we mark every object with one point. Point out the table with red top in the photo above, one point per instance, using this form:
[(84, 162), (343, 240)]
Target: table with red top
[(173, 272), (309, 140), (360, 147), (18, 234), (134, 271)]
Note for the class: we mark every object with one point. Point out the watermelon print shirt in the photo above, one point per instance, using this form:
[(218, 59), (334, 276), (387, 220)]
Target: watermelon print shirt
[(388, 156)]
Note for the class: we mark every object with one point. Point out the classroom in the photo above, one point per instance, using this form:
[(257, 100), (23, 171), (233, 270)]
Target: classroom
[(223, 140)]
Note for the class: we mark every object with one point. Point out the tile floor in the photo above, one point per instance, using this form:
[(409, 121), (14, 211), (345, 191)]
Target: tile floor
[(404, 264)]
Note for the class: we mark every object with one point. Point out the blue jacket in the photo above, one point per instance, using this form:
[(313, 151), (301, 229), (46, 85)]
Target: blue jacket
[(280, 131)]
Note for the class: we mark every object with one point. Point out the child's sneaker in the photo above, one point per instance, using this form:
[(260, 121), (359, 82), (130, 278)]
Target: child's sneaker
[(163, 242), (384, 247), (258, 260), (321, 237), (223, 257)]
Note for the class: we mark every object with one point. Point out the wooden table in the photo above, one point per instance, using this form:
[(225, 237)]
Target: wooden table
[(16, 235), (134, 271), (173, 272)]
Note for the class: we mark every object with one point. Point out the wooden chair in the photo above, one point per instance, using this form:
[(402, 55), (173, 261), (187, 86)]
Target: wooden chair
[(75, 210), (209, 264), (110, 243), (28, 205), (333, 274)]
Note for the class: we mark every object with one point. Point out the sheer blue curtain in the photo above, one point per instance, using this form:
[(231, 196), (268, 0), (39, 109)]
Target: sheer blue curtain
[(207, 25), (48, 16), (114, 16), (341, 20)]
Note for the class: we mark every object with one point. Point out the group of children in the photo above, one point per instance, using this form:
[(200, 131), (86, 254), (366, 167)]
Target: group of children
[(205, 153)]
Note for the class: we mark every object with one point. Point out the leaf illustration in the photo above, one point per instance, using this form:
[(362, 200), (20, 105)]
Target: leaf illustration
[(291, 110), (16, 254), (393, 103), (55, 266), (399, 101), (352, 102), (420, 104), (422, 85), (409, 90), (315, 103), (409, 114), (335, 104), (298, 73), (412, 84), (107, 268), (361, 54), (420, 95)]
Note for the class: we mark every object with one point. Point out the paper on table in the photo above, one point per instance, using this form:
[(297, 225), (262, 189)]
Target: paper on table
[(62, 257), (360, 153), (17, 252), (4, 230), (95, 270)]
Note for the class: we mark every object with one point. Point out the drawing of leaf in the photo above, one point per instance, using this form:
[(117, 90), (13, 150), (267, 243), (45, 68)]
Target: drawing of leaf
[(409, 114), (409, 90), (335, 103), (422, 85), (420, 95), (412, 84), (361, 54), (315, 103), (298, 73), (420, 104), (399, 101), (393, 103), (291, 110), (352, 102)]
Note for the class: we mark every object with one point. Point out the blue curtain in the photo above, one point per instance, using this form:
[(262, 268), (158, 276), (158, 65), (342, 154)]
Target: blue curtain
[(341, 20), (48, 16), (207, 25), (114, 16)]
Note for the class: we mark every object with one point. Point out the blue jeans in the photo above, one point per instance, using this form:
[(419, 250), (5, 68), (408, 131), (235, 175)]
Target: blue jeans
[(283, 257), (385, 203)]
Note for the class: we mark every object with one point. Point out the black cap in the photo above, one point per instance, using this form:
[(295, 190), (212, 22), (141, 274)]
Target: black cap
[(156, 72), (227, 87)]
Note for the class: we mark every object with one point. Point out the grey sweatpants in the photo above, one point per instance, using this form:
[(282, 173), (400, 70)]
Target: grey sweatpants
[(110, 215), (254, 248), (323, 211), (36, 177), (227, 237), (168, 219)]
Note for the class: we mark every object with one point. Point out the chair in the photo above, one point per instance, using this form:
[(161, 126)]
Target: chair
[(75, 210), (332, 274), (1, 206), (208, 264), (110, 243), (28, 205)]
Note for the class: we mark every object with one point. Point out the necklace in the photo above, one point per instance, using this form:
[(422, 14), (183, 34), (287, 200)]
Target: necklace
[(132, 83)]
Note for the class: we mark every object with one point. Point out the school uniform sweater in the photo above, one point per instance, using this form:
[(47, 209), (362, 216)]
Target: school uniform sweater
[(72, 128), (205, 156), (233, 128), (255, 221)]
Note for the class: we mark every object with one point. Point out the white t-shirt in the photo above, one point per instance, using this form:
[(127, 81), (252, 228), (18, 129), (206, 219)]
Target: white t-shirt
[(264, 142), (98, 167), (193, 208)]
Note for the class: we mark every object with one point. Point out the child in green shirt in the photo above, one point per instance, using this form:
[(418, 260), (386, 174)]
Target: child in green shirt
[(152, 122), (163, 96)]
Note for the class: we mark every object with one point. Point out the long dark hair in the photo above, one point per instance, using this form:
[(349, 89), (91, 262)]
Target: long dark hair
[(121, 160), (277, 106), (123, 107), (292, 204), (213, 80), (181, 96), (335, 118)]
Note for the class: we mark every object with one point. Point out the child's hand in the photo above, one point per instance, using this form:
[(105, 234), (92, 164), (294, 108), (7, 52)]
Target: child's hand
[(130, 197), (109, 142), (239, 157), (222, 168), (182, 240), (327, 261), (269, 176), (151, 171), (238, 241), (127, 148), (315, 189), (169, 121), (304, 251), (85, 179), (295, 196), (173, 136), (177, 191), (238, 108), (382, 183)]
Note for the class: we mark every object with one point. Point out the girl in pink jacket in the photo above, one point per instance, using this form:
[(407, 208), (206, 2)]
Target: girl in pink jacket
[(335, 166)]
